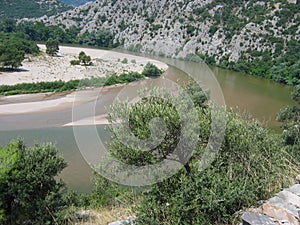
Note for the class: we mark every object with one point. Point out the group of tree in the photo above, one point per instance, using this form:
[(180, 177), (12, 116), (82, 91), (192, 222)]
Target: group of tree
[(83, 59), (13, 48), (38, 31), (31, 8)]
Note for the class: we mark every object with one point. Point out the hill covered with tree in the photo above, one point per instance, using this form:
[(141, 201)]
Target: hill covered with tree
[(31, 8), (76, 2)]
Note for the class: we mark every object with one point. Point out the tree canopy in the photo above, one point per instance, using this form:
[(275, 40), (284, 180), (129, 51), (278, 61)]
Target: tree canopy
[(52, 47), (29, 193), (250, 162), (13, 48)]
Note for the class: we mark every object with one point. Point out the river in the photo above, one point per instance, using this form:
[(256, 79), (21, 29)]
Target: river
[(259, 97)]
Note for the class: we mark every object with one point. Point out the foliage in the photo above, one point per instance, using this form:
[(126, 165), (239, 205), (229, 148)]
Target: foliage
[(124, 61), (31, 8), (52, 47), (240, 176), (151, 70), (84, 59), (75, 62), (107, 194), (290, 116), (140, 116), (38, 31), (29, 193), (251, 165), (124, 78), (102, 38), (13, 49)]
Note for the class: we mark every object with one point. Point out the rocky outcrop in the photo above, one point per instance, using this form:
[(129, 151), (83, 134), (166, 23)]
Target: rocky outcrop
[(281, 209)]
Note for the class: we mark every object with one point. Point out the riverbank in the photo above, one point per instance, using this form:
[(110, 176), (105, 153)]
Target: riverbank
[(45, 68), (48, 69)]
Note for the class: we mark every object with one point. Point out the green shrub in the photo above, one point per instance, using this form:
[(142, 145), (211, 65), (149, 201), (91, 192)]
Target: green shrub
[(125, 61), (29, 192), (251, 166), (150, 70), (75, 62)]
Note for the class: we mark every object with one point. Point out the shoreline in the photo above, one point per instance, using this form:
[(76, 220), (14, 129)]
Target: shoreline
[(56, 101), (46, 68)]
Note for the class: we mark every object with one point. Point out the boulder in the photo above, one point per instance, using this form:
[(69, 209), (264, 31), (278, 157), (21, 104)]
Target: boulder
[(279, 214), (250, 218)]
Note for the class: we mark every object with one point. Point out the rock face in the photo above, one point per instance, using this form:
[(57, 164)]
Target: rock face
[(228, 30), (282, 209)]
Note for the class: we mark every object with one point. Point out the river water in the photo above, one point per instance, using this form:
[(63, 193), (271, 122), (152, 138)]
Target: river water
[(259, 97)]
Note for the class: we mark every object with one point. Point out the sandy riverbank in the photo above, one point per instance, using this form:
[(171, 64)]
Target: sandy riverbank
[(46, 68)]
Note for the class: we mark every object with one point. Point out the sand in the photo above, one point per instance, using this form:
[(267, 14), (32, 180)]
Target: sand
[(46, 68)]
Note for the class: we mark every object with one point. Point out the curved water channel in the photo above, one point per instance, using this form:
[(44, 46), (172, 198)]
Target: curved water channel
[(259, 97)]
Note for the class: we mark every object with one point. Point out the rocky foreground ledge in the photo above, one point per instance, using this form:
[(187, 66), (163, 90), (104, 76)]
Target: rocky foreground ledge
[(284, 208)]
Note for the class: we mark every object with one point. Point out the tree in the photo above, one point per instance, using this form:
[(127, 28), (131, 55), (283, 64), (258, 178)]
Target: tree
[(249, 161), (29, 194), (11, 57), (151, 70), (52, 47), (244, 171), (13, 48), (84, 59)]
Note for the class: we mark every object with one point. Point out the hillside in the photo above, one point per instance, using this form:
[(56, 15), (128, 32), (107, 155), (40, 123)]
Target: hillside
[(231, 29), (31, 8), (76, 2)]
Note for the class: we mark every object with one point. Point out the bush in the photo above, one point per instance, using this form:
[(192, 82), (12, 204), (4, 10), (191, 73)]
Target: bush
[(252, 165), (125, 61), (29, 193), (151, 70), (75, 62)]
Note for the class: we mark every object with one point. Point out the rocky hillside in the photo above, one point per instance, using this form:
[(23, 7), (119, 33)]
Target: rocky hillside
[(226, 30), (76, 2), (31, 8)]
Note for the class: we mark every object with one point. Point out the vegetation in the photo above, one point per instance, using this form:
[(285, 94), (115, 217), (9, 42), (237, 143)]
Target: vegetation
[(52, 47), (29, 194), (38, 31), (30, 8), (280, 62), (290, 116), (13, 48), (252, 165), (151, 70), (59, 86), (82, 59), (124, 78)]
